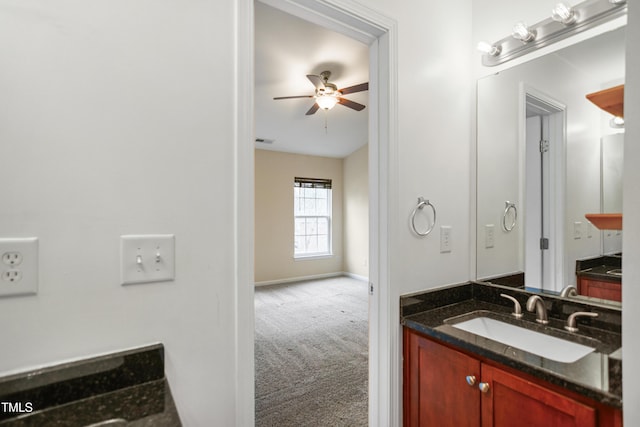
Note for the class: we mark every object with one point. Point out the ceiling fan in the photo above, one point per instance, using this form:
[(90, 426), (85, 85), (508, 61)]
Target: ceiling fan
[(328, 95)]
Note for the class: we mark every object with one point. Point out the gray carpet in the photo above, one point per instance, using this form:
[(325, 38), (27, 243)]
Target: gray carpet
[(311, 353)]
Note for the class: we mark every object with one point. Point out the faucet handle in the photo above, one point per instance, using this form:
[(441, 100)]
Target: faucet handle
[(517, 309), (571, 320)]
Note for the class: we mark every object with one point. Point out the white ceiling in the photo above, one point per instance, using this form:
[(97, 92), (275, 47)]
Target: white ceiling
[(287, 49)]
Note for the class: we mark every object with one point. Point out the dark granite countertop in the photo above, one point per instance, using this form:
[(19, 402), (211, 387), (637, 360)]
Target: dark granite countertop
[(597, 376), (607, 268), (121, 389)]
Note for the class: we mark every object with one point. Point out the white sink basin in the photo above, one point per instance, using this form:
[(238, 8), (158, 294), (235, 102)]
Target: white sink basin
[(524, 339)]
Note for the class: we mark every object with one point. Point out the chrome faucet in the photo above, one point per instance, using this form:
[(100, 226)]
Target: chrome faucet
[(569, 291), (536, 303), (571, 321)]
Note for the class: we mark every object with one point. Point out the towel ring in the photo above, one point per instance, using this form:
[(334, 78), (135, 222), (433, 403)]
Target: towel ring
[(422, 202), (507, 207)]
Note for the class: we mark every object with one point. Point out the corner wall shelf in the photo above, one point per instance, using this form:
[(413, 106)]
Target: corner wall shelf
[(609, 221)]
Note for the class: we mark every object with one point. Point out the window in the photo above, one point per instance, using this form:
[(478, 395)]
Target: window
[(312, 213)]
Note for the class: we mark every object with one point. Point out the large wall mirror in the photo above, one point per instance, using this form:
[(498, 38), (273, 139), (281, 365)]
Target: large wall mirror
[(546, 157)]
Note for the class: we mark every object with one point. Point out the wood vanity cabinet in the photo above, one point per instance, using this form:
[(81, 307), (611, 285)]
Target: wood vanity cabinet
[(442, 387), (600, 288)]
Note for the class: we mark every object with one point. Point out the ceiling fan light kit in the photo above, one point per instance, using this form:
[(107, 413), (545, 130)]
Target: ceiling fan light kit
[(326, 102), (327, 94)]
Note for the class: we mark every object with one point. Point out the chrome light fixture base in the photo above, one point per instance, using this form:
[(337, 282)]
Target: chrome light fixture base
[(588, 14)]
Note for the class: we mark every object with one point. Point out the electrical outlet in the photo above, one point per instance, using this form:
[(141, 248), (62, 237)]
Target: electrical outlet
[(147, 258), (19, 266), (12, 258), (12, 275), (445, 238)]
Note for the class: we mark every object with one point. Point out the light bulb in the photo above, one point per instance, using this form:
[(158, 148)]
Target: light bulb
[(326, 102), (616, 122), (522, 32), (563, 14), (489, 49)]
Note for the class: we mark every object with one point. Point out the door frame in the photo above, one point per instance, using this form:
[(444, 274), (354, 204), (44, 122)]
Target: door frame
[(555, 111), (380, 34)]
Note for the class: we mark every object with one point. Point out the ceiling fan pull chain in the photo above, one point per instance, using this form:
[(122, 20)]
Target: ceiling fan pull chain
[(325, 122)]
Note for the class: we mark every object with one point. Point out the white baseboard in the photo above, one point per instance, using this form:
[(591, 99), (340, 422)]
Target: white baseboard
[(312, 277), (356, 276), (298, 279)]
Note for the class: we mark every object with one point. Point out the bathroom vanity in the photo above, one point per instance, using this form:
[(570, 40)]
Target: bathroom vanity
[(600, 277), (457, 375)]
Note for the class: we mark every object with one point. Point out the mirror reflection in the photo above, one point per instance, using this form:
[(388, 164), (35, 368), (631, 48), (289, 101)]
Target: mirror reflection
[(548, 156)]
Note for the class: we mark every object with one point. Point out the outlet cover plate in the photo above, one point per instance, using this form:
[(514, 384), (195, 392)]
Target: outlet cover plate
[(147, 258), (18, 266)]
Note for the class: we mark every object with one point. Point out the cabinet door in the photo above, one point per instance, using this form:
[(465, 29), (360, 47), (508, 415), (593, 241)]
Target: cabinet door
[(513, 401), (436, 392), (600, 289)]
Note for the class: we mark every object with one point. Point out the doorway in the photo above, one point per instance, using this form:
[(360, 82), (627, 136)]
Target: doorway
[(311, 224), (379, 32), (544, 192)]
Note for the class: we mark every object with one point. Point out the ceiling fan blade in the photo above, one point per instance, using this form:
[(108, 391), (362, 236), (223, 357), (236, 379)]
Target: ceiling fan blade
[(292, 97), (313, 109), (317, 81), (356, 88), (348, 103)]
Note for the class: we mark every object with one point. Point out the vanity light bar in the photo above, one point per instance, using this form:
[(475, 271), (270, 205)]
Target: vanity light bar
[(587, 15)]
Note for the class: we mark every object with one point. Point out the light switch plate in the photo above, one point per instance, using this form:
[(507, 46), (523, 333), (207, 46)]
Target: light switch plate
[(489, 237), (147, 258), (19, 266), (445, 238), (577, 230)]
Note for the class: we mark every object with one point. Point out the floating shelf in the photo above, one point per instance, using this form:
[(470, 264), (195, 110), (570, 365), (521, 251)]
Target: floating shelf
[(610, 100), (610, 221)]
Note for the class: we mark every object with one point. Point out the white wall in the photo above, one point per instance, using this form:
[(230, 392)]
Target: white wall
[(612, 179), (356, 212), (118, 118), (433, 152), (274, 223), (631, 225)]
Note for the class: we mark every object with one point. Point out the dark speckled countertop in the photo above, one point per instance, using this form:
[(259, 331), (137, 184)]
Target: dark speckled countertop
[(597, 375), (126, 388), (607, 268)]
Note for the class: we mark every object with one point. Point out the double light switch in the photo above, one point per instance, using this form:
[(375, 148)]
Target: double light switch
[(147, 258)]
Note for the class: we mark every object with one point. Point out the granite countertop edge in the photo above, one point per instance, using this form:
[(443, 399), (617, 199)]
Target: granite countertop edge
[(598, 268)]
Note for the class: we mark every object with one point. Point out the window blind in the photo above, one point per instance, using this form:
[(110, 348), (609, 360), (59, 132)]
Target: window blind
[(312, 183)]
